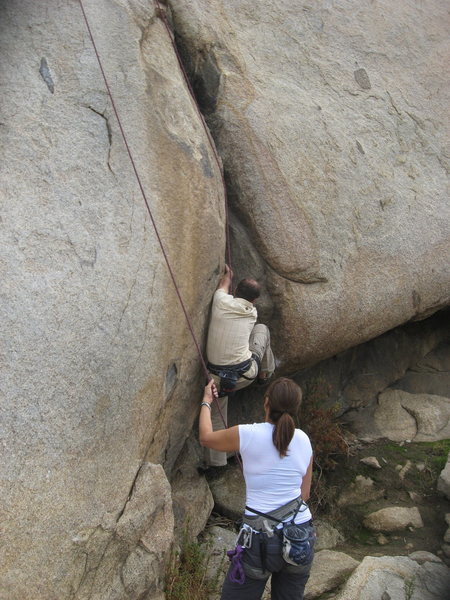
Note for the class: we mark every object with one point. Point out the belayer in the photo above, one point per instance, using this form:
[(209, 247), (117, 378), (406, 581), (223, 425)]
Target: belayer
[(277, 536), (238, 349)]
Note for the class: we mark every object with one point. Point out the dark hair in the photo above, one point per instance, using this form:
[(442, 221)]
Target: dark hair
[(248, 288), (284, 397)]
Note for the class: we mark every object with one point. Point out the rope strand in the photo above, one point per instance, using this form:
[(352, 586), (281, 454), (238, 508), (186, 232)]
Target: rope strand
[(141, 187)]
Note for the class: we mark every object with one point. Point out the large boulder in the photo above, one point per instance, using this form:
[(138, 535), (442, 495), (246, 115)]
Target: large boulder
[(394, 518), (329, 123), (228, 490), (99, 373), (327, 536), (401, 416), (217, 541), (397, 577), (329, 570), (123, 556)]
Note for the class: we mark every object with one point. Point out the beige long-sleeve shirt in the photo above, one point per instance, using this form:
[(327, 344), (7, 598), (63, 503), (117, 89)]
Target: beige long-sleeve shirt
[(232, 321)]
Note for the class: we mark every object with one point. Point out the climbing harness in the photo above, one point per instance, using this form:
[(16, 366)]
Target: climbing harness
[(258, 539), (229, 375), (141, 187), (297, 539)]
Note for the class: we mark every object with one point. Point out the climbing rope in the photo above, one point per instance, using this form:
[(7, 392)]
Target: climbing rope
[(141, 187)]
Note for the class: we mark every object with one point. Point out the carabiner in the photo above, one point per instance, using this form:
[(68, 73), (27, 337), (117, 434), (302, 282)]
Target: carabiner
[(246, 532)]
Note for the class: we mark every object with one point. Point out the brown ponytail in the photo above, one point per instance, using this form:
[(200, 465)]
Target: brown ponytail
[(284, 398)]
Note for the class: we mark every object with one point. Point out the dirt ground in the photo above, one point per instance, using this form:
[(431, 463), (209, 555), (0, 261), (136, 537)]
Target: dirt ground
[(417, 488)]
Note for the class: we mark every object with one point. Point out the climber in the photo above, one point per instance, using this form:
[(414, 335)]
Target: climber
[(277, 537), (238, 348)]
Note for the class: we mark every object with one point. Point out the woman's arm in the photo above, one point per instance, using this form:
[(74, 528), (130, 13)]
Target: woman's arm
[(224, 440), (306, 481)]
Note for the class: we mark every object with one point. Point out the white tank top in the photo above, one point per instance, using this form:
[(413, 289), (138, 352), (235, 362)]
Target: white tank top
[(270, 480)]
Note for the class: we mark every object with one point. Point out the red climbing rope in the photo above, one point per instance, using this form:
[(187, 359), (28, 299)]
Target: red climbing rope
[(141, 187)]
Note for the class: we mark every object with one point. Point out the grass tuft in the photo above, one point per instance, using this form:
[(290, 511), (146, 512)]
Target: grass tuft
[(187, 573)]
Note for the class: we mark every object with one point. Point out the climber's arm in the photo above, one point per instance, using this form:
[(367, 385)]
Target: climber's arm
[(225, 282), (224, 440)]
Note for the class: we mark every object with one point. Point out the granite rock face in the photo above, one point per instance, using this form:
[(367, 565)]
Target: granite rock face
[(329, 570), (96, 353), (228, 490), (396, 577), (330, 124), (191, 496)]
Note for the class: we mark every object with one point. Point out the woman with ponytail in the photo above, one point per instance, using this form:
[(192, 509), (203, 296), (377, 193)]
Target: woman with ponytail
[(277, 468)]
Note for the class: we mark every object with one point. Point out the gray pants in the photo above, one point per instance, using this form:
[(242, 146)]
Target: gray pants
[(259, 344), (288, 581)]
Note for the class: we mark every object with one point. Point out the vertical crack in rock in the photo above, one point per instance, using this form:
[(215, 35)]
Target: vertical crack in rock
[(130, 291), (82, 578), (94, 549), (109, 132), (137, 362), (130, 493), (171, 379), (206, 83), (261, 174), (393, 104), (203, 72)]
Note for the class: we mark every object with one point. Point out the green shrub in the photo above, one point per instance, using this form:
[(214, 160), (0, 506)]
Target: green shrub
[(186, 575)]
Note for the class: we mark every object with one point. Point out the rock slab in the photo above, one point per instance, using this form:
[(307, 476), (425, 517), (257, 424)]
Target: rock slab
[(397, 577), (402, 416), (329, 124), (329, 570), (393, 518), (99, 373)]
